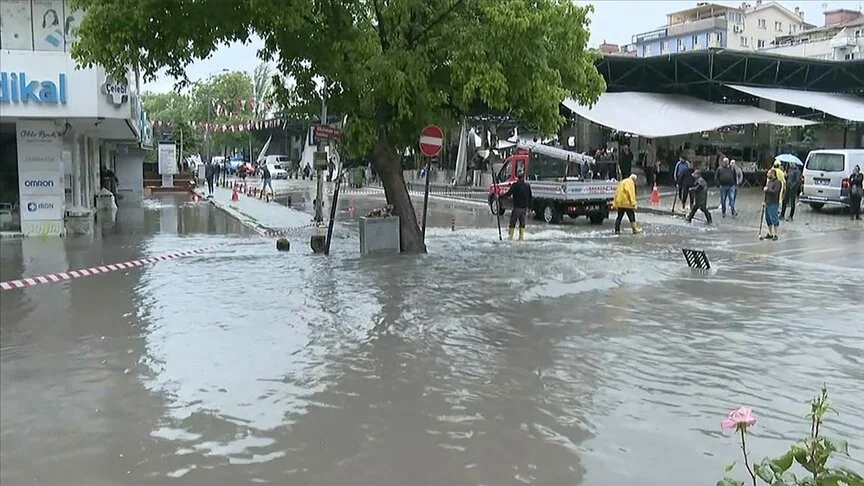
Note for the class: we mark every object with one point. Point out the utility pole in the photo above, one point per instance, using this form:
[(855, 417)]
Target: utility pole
[(322, 146)]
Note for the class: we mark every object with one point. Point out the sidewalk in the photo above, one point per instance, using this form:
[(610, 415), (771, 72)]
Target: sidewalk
[(266, 218)]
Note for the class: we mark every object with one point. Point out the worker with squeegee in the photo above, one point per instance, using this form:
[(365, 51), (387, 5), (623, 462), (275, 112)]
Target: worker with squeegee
[(521, 193)]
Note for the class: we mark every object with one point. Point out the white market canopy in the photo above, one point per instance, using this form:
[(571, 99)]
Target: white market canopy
[(845, 106), (655, 115)]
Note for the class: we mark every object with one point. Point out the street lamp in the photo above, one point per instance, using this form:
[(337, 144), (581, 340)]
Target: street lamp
[(209, 116)]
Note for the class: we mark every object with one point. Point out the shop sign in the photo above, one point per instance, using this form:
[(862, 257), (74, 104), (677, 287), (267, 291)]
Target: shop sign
[(117, 93), (167, 158), (40, 173), (19, 88), (42, 208)]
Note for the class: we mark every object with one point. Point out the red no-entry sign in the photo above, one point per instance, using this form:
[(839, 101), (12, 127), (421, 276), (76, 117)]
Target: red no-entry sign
[(431, 140)]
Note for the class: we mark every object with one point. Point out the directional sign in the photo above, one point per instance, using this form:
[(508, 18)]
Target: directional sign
[(326, 132), (431, 140)]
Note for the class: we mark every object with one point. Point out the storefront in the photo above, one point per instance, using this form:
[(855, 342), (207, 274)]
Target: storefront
[(58, 126)]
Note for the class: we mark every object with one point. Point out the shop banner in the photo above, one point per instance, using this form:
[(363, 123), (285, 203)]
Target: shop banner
[(167, 157), (41, 181)]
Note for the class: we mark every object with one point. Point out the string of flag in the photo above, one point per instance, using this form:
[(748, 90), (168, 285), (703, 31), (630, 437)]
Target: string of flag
[(235, 127)]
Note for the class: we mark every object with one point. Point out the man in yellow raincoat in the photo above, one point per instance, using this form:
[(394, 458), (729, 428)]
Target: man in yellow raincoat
[(781, 176), (625, 203)]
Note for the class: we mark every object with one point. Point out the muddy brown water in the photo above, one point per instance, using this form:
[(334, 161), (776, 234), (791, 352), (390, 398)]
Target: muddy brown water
[(572, 358)]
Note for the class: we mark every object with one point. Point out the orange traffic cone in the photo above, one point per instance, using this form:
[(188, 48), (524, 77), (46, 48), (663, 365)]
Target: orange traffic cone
[(655, 196), (234, 196)]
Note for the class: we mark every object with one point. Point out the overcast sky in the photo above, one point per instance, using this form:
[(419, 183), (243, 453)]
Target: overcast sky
[(612, 21)]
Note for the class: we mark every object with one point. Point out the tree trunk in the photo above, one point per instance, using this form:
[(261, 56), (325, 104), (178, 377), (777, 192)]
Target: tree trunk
[(389, 169)]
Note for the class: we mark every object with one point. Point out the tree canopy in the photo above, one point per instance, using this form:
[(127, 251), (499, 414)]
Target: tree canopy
[(391, 66)]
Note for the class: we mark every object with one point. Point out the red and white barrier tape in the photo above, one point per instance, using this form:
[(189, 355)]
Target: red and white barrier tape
[(115, 267), (98, 270)]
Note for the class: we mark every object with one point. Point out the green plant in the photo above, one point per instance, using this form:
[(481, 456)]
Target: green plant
[(812, 453)]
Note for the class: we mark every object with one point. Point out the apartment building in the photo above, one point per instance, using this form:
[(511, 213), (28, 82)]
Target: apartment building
[(840, 38), (59, 125), (711, 25)]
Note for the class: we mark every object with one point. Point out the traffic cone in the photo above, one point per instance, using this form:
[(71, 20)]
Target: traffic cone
[(234, 196), (655, 196)]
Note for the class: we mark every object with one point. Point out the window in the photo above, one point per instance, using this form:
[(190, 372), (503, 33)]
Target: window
[(826, 162), (663, 47), (744, 42), (760, 44), (680, 45), (718, 38), (644, 51), (695, 41), (793, 29), (778, 26), (504, 173), (762, 24), (546, 167)]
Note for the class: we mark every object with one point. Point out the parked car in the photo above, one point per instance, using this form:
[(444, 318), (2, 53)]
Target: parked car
[(277, 172), (826, 176)]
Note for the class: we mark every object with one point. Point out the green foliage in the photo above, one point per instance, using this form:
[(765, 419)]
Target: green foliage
[(391, 66), (811, 453), (173, 108)]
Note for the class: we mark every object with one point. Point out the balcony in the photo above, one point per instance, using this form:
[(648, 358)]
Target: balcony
[(714, 23), (649, 36), (842, 42)]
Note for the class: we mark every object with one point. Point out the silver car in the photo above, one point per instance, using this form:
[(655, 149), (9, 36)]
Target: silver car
[(826, 177)]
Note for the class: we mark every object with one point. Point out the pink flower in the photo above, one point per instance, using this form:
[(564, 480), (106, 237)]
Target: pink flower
[(743, 417)]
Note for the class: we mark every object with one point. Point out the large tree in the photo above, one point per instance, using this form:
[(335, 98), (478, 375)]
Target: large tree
[(391, 66)]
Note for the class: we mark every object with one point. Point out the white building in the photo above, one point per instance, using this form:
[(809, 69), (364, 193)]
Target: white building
[(59, 125), (710, 25), (841, 38)]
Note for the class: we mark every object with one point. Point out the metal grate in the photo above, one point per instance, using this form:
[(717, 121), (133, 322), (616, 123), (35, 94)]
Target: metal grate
[(696, 259)]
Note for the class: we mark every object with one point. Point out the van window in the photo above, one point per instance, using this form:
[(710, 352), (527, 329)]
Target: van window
[(281, 158), (504, 173), (826, 162)]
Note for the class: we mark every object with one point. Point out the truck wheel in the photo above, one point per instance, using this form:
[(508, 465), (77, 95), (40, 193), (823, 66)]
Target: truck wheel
[(552, 214), (596, 218), (817, 206), (495, 206)]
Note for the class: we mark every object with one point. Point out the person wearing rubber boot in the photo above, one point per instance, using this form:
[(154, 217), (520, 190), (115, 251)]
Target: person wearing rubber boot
[(625, 203), (520, 191)]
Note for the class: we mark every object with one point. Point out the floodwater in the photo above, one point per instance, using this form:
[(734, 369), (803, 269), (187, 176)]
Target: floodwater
[(572, 358)]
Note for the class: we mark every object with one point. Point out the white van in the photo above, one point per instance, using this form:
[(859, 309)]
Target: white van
[(826, 176), (279, 165)]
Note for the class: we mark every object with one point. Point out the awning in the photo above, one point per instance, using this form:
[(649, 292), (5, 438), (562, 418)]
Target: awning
[(845, 106), (655, 115)]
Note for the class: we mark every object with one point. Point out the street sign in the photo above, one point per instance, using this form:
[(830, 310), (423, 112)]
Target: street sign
[(319, 160), (431, 140), (326, 132)]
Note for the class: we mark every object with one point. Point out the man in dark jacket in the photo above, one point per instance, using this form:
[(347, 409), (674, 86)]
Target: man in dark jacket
[(726, 179), (625, 162), (699, 192), (521, 193), (209, 173), (793, 188), (683, 184)]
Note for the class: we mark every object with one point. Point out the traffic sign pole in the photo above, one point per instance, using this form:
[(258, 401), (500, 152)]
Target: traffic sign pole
[(431, 141)]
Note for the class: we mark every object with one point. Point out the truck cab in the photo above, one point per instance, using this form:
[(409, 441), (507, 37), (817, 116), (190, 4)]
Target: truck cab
[(557, 185)]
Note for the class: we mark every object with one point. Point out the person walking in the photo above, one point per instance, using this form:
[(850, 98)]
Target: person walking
[(856, 192), (773, 190), (268, 180), (680, 171), (726, 179), (650, 165), (625, 203), (780, 174), (739, 181), (699, 197), (625, 162), (793, 189), (520, 191), (209, 173)]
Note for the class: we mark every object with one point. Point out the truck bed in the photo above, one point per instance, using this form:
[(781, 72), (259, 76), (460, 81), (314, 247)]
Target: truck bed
[(574, 190)]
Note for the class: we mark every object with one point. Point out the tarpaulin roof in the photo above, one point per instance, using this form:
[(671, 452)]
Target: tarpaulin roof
[(656, 115), (845, 106)]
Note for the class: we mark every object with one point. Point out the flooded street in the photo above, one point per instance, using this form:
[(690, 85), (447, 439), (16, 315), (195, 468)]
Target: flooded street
[(575, 357)]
